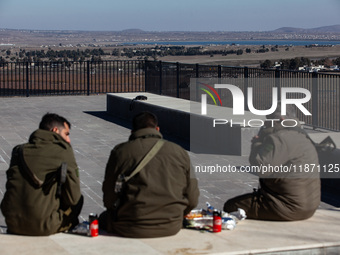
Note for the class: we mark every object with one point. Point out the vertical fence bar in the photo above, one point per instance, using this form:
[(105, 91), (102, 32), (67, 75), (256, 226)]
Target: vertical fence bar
[(315, 102), (27, 81), (177, 78), (88, 77), (245, 87), (146, 75), (278, 84), (160, 77)]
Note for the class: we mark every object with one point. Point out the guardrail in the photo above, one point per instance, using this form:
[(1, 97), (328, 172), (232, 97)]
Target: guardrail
[(173, 79), (166, 78), (71, 78)]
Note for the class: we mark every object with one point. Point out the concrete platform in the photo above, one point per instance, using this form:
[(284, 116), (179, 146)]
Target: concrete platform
[(313, 236), (93, 135)]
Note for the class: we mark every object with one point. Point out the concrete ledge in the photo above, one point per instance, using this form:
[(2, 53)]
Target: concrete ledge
[(317, 235), (175, 119)]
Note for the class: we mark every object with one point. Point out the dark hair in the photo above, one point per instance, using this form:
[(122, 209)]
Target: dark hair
[(290, 112), (51, 120), (144, 120)]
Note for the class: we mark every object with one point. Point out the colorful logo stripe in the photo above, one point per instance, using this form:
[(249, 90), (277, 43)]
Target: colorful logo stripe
[(213, 90)]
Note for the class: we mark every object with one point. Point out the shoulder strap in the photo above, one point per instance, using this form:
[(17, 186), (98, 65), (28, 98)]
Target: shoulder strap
[(62, 178), (146, 159)]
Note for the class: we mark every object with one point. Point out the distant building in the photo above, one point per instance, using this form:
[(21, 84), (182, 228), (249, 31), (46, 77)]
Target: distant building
[(312, 68)]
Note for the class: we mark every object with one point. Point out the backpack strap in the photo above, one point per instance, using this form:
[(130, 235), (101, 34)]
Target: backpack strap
[(122, 180), (62, 178), (146, 159)]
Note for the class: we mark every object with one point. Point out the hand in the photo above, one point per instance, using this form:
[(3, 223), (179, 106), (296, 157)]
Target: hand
[(255, 139)]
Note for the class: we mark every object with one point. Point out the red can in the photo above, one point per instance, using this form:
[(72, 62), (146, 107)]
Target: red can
[(217, 222), (93, 225)]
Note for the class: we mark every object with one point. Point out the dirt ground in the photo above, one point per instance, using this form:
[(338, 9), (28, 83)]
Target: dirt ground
[(252, 59)]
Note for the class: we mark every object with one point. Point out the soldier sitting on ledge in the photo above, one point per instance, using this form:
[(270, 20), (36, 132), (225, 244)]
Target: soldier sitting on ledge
[(282, 195), (154, 201), (42, 191)]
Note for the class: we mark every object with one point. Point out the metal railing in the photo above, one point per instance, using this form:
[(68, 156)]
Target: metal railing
[(170, 79), (173, 79), (71, 78)]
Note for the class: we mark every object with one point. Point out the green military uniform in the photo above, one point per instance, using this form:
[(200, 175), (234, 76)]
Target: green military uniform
[(33, 210), (290, 193), (156, 199)]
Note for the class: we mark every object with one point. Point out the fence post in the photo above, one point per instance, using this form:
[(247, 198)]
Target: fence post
[(177, 78), (315, 101), (88, 77), (196, 90), (160, 77), (245, 87), (278, 84), (27, 81), (145, 76)]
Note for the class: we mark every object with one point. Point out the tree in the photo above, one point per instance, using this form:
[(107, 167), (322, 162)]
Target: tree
[(239, 52), (266, 64), (294, 64), (336, 61), (2, 62)]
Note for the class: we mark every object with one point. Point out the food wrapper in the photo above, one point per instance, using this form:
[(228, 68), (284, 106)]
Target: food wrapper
[(203, 219), (198, 219)]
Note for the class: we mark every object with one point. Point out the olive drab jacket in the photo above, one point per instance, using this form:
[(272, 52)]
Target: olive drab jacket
[(291, 181), (156, 199), (31, 205)]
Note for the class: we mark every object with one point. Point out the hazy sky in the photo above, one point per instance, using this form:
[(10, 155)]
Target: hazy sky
[(174, 15)]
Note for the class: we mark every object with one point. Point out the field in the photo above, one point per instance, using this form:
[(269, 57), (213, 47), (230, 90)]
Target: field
[(254, 59)]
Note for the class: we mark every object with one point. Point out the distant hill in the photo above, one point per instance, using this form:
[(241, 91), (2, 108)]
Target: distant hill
[(46, 38), (132, 31), (324, 29)]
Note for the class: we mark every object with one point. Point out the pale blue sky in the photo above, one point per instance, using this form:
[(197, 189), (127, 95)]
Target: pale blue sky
[(175, 15)]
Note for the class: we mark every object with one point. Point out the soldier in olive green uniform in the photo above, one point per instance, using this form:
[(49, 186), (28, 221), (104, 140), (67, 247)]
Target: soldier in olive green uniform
[(156, 199), (288, 193), (32, 204)]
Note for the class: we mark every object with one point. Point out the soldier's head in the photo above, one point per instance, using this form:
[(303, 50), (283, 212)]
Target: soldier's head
[(144, 120), (290, 113), (56, 123)]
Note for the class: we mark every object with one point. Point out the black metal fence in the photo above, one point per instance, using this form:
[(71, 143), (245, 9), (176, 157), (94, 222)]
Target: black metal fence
[(170, 79), (173, 79), (71, 78)]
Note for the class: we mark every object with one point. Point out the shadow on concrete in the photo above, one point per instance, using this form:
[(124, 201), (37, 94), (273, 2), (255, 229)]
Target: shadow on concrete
[(121, 122), (330, 191), (110, 118)]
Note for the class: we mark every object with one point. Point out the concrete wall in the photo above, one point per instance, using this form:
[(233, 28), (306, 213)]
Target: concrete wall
[(223, 140)]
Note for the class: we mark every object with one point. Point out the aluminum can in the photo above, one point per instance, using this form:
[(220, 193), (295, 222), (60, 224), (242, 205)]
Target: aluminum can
[(93, 225), (217, 221)]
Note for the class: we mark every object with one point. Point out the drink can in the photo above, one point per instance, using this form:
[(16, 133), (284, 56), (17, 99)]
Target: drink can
[(93, 225), (217, 221)]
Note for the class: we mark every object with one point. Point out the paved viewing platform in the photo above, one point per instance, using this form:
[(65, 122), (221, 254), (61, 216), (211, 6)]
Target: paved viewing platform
[(94, 133)]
